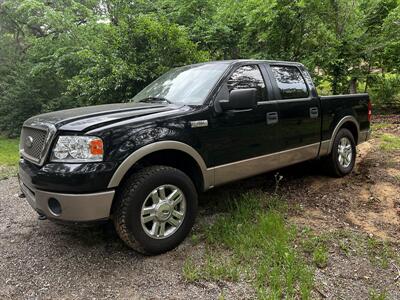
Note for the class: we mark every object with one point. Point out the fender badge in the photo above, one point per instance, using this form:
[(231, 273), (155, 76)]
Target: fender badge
[(199, 123)]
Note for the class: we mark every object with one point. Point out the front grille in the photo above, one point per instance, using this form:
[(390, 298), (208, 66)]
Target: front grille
[(32, 143)]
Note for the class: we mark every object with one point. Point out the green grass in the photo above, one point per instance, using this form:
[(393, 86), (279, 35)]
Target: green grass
[(378, 126), (374, 295), (254, 241), (9, 154), (320, 257), (9, 157), (390, 142)]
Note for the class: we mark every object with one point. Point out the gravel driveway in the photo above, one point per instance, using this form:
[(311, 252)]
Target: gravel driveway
[(41, 259)]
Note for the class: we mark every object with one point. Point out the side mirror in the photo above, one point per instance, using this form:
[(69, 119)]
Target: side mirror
[(240, 99)]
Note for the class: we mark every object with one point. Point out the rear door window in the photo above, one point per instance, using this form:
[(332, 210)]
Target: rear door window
[(290, 82)]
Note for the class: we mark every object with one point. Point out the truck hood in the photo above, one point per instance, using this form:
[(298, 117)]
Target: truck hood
[(86, 118)]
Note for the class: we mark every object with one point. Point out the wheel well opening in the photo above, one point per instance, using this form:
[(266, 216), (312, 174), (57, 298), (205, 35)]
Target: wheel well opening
[(353, 129), (172, 158)]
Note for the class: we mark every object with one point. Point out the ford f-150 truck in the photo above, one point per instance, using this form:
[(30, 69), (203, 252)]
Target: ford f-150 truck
[(142, 164)]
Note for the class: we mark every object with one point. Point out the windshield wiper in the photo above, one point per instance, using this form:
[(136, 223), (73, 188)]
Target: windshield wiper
[(155, 100)]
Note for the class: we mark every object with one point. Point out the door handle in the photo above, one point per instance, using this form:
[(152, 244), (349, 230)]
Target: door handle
[(313, 112), (272, 118)]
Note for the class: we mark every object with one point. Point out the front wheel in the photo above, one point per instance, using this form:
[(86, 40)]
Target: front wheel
[(342, 158), (155, 209)]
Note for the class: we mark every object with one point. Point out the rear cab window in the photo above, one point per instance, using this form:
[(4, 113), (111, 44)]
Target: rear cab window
[(290, 82)]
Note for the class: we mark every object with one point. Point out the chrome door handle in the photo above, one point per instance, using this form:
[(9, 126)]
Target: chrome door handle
[(314, 112), (272, 118)]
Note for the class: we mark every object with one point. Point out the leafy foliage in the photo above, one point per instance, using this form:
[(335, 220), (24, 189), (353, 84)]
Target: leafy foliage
[(67, 53)]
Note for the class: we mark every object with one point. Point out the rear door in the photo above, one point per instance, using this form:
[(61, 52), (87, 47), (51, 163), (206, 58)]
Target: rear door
[(299, 108)]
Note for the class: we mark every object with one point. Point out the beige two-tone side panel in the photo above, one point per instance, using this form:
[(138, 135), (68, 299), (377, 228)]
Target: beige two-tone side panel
[(257, 165)]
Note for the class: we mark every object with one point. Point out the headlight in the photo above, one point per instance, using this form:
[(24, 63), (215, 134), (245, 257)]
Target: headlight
[(77, 149)]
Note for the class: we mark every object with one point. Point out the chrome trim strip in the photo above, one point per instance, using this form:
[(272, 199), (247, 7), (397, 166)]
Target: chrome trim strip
[(75, 207), (208, 175), (261, 164), (339, 125)]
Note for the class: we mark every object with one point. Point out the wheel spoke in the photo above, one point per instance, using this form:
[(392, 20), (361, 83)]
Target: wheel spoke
[(177, 214), (148, 219), (154, 228), (173, 222), (148, 210), (162, 229), (155, 197), (173, 195), (177, 200), (161, 192)]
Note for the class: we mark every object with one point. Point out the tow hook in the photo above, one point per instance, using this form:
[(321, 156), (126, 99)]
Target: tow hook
[(21, 195)]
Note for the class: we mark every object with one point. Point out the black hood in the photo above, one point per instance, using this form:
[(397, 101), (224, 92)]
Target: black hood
[(84, 118)]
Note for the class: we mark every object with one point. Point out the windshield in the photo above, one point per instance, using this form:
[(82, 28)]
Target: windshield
[(186, 85)]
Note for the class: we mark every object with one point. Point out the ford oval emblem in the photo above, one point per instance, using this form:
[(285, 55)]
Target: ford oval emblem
[(29, 142)]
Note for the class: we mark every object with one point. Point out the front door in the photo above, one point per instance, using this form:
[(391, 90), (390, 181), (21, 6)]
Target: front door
[(238, 135)]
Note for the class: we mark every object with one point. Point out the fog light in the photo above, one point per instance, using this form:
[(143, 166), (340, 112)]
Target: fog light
[(55, 206)]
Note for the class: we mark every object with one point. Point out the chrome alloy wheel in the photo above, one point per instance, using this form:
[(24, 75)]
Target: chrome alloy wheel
[(345, 152), (163, 211)]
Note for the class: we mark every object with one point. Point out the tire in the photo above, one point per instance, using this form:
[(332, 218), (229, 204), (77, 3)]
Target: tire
[(141, 199), (336, 165)]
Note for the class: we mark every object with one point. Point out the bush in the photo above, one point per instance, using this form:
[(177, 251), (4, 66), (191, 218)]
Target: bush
[(385, 93)]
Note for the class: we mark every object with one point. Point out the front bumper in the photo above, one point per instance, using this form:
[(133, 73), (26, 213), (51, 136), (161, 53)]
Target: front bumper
[(70, 207)]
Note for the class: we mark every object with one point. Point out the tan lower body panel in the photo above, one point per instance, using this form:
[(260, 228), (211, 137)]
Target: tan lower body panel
[(261, 164)]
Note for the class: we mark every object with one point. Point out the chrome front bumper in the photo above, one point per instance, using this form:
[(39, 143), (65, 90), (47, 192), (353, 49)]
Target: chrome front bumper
[(73, 207)]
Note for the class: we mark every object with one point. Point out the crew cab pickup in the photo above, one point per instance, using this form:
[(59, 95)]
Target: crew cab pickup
[(142, 164)]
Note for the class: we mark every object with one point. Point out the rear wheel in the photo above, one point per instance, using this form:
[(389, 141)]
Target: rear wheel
[(341, 160), (155, 209)]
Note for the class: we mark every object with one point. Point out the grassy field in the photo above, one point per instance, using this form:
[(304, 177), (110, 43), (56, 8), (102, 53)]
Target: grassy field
[(9, 157), (253, 242)]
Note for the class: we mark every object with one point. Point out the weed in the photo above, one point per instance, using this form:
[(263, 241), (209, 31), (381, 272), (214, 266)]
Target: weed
[(260, 246), (390, 142), (379, 252), (190, 271), (374, 295), (320, 257)]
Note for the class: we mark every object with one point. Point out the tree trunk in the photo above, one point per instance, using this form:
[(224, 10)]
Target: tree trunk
[(353, 86)]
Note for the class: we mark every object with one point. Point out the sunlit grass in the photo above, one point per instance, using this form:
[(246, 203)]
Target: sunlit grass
[(390, 142), (9, 157), (253, 241)]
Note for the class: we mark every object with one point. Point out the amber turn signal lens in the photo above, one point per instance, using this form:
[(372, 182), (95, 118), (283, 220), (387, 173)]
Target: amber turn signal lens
[(96, 147)]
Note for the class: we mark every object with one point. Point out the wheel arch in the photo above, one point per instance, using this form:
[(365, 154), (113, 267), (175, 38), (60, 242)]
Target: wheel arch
[(171, 153), (350, 123)]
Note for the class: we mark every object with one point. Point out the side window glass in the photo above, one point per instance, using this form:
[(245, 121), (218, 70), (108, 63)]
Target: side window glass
[(248, 77), (290, 82)]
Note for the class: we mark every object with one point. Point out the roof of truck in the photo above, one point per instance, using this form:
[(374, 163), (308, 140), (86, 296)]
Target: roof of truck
[(253, 60), (234, 61)]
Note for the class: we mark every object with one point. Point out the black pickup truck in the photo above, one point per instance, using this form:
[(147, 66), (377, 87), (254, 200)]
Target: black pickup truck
[(143, 163)]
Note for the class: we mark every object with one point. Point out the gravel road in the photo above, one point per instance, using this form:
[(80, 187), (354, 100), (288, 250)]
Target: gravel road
[(41, 259)]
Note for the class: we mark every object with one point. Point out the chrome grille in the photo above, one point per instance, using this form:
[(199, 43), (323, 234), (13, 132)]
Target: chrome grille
[(32, 143)]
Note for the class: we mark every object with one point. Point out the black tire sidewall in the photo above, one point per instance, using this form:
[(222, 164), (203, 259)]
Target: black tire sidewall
[(339, 169), (137, 197)]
